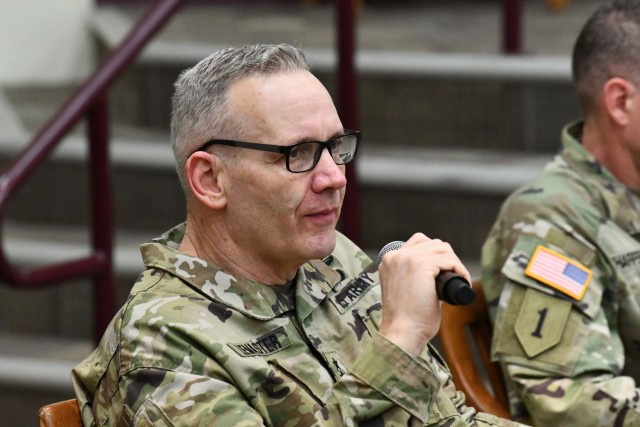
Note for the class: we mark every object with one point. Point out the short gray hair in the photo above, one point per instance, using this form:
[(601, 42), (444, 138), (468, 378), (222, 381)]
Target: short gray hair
[(199, 105)]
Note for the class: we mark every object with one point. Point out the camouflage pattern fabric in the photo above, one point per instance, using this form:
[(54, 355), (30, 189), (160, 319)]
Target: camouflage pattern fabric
[(194, 345), (568, 361)]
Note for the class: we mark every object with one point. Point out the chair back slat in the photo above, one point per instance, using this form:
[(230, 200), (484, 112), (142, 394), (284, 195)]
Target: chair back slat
[(61, 414), (466, 330)]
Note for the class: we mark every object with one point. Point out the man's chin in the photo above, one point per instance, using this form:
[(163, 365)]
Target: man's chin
[(322, 245)]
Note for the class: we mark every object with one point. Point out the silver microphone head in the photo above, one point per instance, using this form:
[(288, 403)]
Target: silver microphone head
[(391, 246)]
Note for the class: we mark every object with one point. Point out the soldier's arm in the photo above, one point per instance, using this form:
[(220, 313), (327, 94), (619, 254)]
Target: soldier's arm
[(562, 355), (385, 378), (469, 414), (158, 397), (384, 384), (589, 399)]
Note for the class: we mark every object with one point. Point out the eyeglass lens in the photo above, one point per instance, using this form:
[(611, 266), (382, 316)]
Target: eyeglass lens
[(306, 155)]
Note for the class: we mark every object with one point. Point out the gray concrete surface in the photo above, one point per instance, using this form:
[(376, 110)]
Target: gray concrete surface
[(406, 28)]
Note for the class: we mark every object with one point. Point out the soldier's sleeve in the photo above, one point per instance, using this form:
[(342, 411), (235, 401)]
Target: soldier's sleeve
[(386, 375), (563, 360), (469, 414), (174, 398), (384, 379)]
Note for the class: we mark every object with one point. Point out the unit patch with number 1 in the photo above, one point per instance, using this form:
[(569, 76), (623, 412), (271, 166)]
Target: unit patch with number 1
[(541, 322)]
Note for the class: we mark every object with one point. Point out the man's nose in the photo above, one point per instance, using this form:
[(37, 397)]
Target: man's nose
[(329, 173)]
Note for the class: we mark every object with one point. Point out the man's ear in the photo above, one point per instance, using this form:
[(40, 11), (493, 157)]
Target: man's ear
[(204, 175), (619, 97)]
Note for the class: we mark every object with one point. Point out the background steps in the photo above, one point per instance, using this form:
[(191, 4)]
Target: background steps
[(450, 127)]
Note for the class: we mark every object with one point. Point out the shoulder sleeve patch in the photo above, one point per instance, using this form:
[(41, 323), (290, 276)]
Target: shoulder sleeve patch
[(541, 322), (520, 259), (540, 331), (560, 272)]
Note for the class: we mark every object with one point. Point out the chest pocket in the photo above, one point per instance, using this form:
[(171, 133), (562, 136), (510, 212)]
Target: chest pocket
[(294, 389)]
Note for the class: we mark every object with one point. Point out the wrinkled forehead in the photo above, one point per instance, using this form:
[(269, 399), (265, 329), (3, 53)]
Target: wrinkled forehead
[(287, 106)]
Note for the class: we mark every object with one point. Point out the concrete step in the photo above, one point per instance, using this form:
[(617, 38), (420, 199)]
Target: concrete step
[(450, 194), (413, 183), (484, 171), (35, 371), (409, 94), (481, 126), (65, 309), (450, 127)]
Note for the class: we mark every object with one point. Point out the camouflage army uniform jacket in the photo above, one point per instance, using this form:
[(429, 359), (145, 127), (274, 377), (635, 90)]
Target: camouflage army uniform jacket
[(570, 359), (196, 346)]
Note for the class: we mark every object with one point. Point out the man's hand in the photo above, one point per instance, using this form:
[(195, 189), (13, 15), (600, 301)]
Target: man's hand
[(410, 305)]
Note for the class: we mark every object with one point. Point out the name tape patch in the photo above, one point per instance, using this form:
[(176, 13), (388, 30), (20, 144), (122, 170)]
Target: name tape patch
[(269, 343), (561, 273)]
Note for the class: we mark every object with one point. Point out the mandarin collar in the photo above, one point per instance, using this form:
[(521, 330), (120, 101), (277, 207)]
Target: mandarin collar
[(621, 203), (314, 280)]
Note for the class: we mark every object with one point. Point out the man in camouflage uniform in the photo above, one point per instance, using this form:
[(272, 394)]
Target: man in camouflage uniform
[(256, 311), (561, 266)]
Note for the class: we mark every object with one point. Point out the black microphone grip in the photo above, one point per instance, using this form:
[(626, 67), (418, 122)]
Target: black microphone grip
[(454, 289), (450, 287)]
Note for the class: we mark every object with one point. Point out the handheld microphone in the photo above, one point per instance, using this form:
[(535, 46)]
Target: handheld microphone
[(450, 287)]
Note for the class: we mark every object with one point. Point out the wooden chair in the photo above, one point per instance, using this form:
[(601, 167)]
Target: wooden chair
[(459, 351), (61, 414)]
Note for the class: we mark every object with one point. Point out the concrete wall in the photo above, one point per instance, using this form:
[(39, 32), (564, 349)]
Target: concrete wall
[(45, 41)]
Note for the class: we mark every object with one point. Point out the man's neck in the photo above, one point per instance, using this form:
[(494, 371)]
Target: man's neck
[(218, 248), (606, 144)]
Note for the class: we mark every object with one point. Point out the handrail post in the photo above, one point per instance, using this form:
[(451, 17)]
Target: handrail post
[(89, 100), (511, 20), (102, 213), (348, 106)]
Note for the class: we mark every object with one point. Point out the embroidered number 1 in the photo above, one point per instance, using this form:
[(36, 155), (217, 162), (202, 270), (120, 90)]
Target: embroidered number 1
[(543, 314)]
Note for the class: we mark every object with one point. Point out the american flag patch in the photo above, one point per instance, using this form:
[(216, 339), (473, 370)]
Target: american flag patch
[(559, 272)]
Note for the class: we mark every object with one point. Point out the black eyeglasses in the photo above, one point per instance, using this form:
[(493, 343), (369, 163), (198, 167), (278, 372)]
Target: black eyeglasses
[(303, 156)]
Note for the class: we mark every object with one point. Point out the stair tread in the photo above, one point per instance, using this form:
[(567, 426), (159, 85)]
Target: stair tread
[(37, 245), (196, 32), (427, 167)]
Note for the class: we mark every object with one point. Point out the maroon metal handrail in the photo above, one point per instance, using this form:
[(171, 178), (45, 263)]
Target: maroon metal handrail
[(348, 91), (511, 24), (348, 106), (89, 100)]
